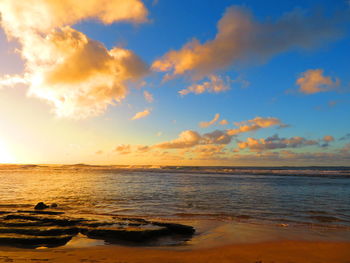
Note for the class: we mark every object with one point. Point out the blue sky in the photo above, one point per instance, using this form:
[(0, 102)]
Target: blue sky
[(258, 85)]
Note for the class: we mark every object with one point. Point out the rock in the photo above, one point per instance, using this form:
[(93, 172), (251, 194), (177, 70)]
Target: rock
[(140, 231), (41, 206), (177, 229), (40, 212), (54, 205), (40, 231), (40, 220), (33, 241), (127, 235), (26, 228)]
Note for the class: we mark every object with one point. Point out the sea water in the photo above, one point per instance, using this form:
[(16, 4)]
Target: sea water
[(277, 195)]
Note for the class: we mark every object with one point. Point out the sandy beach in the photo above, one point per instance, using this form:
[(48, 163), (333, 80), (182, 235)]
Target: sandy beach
[(215, 241), (264, 252)]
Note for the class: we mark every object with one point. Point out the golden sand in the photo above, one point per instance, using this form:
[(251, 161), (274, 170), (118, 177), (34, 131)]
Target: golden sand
[(265, 252), (215, 241)]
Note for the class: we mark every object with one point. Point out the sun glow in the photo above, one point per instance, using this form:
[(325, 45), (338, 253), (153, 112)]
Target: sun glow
[(5, 154)]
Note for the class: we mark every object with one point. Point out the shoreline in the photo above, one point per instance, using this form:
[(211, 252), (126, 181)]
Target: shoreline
[(262, 252), (215, 241)]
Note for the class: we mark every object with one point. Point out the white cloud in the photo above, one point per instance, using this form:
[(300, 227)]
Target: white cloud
[(78, 76)]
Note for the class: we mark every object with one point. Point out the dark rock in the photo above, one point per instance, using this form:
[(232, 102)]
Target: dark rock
[(41, 212), (41, 206), (146, 232), (48, 228), (128, 235), (4, 212), (21, 223), (54, 205), (58, 221), (40, 231), (33, 241), (177, 229)]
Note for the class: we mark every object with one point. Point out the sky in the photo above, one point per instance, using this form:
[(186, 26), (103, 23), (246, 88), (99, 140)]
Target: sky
[(171, 82)]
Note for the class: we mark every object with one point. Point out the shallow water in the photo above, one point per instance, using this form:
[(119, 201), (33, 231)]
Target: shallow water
[(317, 196)]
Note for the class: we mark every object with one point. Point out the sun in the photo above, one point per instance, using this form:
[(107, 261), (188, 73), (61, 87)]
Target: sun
[(5, 154)]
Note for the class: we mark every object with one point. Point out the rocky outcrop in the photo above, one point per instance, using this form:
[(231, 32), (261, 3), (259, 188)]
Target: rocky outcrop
[(41, 206), (35, 228)]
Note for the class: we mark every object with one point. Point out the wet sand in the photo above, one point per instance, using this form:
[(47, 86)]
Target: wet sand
[(216, 241), (265, 252)]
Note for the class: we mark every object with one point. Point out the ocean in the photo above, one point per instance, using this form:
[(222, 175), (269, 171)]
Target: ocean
[(317, 196)]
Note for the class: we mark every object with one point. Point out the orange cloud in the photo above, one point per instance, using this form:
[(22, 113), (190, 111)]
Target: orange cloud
[(186, 139), (78, 76), (255, 124), (216, 137), (223, 122), (313, 81), (123, 149), (240, 38), (208, 151), (206, 124), (215, 85), (288, 157), (143, 148), (274, 142), (328, 138), (43, 16), (141, 114)]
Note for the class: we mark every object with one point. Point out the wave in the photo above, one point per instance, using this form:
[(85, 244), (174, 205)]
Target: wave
[(323, 171)]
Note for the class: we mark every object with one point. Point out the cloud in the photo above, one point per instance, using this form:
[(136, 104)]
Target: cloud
[(207, 151), (274, 142), (141, 114), (345, 137), (12, 80), (255, 124), (189, 138), (313, 81), (186, 139), (215, 84), (78, 76), (148, 96), (123, 149), (216, 137), (241, 39), (32, 15), (205, 124), (223, 122), (345, 149), (333, 103), (143, 148), (290, 157), (328, 138)]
